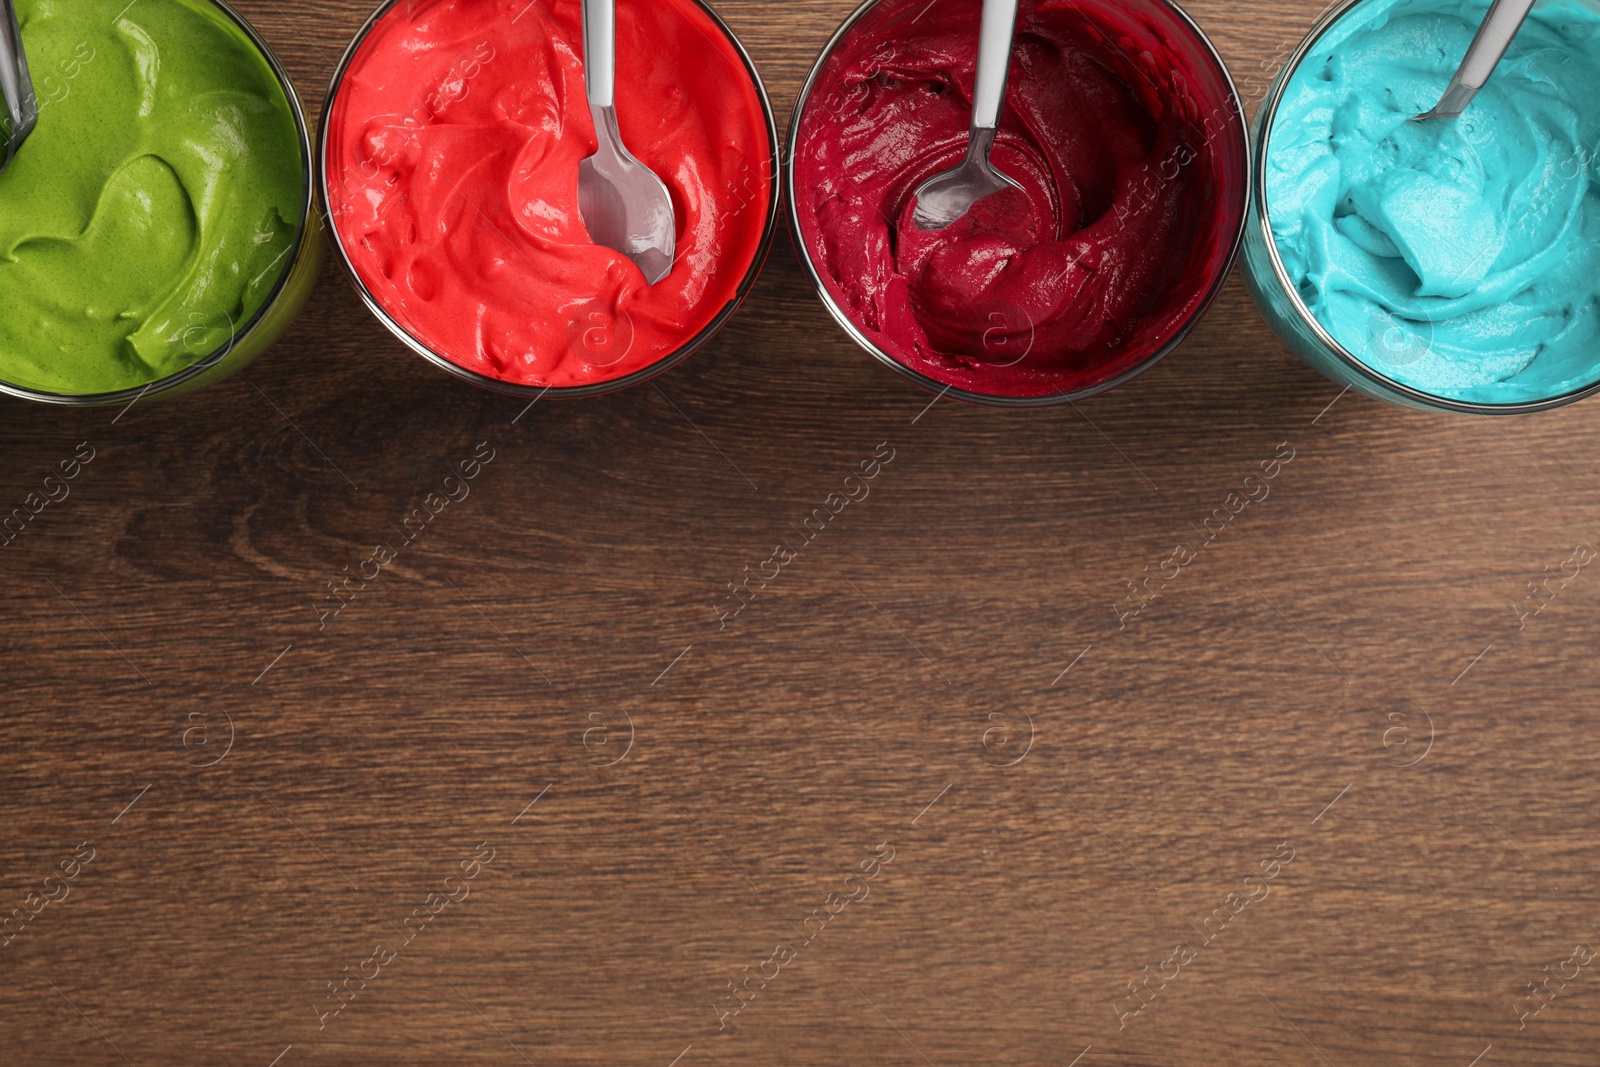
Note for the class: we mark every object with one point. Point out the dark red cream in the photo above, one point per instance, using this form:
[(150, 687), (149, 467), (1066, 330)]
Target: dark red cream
[(1126, 140)]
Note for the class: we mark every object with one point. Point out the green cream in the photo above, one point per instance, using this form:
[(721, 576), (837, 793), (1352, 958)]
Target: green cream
[(153, 210)]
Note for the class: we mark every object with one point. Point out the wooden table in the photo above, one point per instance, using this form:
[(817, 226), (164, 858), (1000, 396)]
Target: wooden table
[(539, 693)]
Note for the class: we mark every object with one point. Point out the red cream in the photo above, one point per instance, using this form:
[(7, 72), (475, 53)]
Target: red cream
[(1126, 140), (452, 171)]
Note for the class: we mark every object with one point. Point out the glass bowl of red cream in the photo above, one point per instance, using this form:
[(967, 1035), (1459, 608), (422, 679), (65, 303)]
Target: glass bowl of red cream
[(449, 160), (1128, 139)]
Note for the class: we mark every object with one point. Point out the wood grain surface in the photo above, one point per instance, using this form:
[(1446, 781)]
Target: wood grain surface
[(624, 807)]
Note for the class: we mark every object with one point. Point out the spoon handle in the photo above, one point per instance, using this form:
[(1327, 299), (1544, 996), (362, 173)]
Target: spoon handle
[(1488, 47), (1505, 18), (994, 62), (600, 51), (22, 108)]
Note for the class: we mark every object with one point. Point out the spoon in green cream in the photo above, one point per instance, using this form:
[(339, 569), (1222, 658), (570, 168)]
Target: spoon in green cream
[(22, 107), (1494, 35)]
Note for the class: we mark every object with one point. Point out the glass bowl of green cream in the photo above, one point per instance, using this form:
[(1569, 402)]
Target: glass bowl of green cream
[(1444, 265), (156, 230)]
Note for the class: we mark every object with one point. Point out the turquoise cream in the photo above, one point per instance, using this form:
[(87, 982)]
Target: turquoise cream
[(1460, 258)]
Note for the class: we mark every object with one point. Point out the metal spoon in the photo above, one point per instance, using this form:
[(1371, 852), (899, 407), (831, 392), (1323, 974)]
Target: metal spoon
[(22, 107), (1504, 19), (946, 197), (623, 203)]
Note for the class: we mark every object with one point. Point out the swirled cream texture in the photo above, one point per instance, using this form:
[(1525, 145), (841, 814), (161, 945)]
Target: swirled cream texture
[(453, 149), (152, 211), (1129, 154), (1461, 258)]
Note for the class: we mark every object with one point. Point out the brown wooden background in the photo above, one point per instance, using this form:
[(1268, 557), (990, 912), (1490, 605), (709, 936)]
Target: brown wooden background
[(1300, 661)]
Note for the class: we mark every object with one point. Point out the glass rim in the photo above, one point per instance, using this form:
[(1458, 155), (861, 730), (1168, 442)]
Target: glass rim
[(1414, 396), (296, 248), (928, 382), (535, 392)]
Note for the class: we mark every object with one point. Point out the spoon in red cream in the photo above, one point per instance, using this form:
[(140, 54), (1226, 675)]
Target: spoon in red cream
[(945, 198), (624, 204)]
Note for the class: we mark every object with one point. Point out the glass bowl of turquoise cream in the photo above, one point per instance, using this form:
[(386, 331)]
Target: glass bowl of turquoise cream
[(1452, 264)]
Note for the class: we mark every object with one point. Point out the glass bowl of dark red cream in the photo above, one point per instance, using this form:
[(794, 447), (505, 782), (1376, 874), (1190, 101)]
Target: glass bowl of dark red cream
[(1127, 137), (449, 167)]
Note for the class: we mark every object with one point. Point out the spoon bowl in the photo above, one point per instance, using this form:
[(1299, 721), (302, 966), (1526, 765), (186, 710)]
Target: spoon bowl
[(21, 106), (624, 204), (949, 195)]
